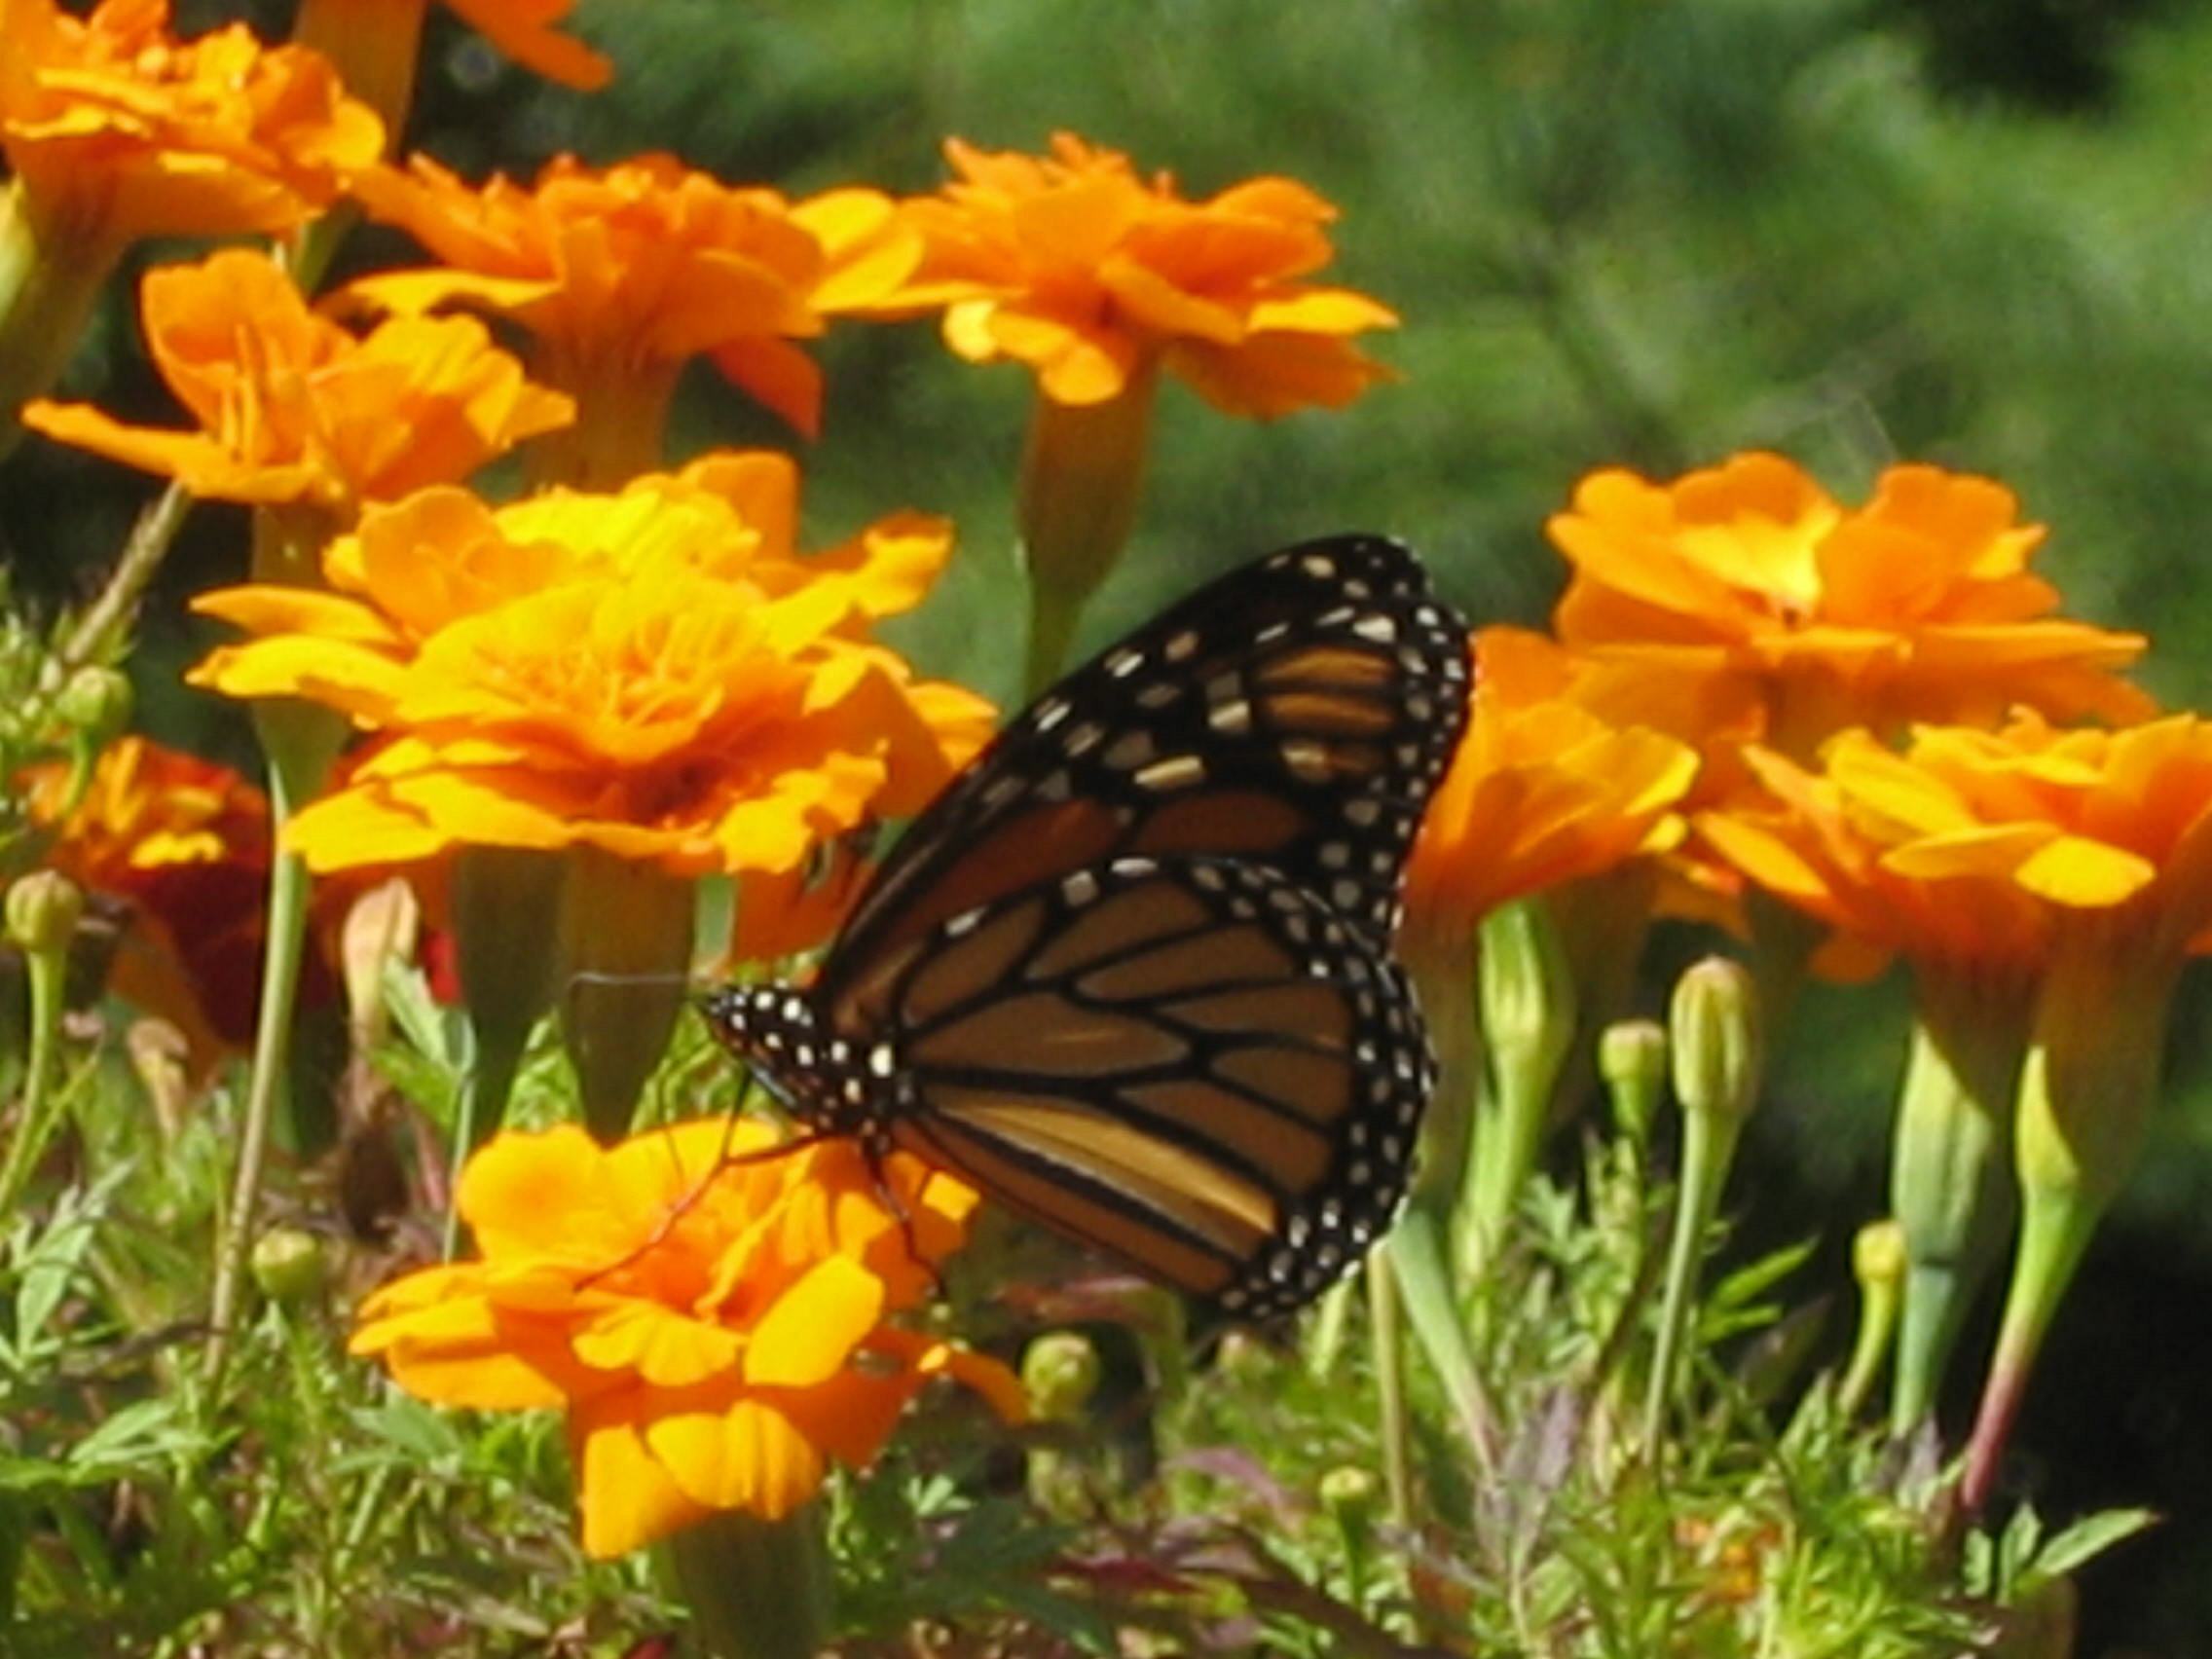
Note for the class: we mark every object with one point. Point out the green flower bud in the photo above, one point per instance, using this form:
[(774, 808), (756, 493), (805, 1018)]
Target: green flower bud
[(290, 1265), (1349, 1492), (43, 911), (96, 702), (1632, 1059), (1059, 1374), (1878, 1255), (1718, 1043)]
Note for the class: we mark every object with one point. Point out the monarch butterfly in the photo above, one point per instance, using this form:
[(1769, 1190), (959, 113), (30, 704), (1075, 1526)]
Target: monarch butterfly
[(1131, 974)]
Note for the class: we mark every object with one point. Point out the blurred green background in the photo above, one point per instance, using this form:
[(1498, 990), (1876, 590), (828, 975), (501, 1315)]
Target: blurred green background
[(1619, 232)]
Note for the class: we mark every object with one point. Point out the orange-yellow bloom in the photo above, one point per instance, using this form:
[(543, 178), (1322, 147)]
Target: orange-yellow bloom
[(1746, 589), (2086, 822), (293, 408), (1543, 790), (183, 844), (1090, 274), (658, 674), (715, 1331), (117, 130), (622, 274), (2110, 834)]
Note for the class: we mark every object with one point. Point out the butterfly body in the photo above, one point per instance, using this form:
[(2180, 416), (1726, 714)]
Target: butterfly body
[(1131, 974)]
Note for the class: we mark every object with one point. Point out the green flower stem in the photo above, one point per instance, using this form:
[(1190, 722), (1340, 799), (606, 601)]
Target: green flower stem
[(1528, 1009), (1420, 1247), (2087, 1093), (1950, 1166), (1082, 477), (1709, 1148), (621, 422), (301, 740), (625, 955), (756, 1589), (1601, 922), (44, 947), (1396, 1428), (1324, 1338), (99, 633), (1718, 1056)]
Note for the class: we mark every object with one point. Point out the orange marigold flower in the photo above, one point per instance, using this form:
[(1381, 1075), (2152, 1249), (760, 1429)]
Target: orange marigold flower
[(622, 274), (1746, 588), (183, 844), (657, 674), (1544, 788), (714, 1330), (1076, 266), (293, 408), (2090, 823), (2111, 833), (119, 130)]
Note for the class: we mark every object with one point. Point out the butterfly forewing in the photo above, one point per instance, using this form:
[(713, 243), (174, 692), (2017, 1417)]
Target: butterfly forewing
[(1296, 714)]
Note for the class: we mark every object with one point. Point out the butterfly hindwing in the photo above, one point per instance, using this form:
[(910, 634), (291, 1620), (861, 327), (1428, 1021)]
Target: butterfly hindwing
[(1194, 1064)]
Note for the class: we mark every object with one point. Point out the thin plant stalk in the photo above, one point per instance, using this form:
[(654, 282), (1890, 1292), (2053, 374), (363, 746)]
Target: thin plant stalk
[(301, 742), (1419, 1246), (46, 963), (1395, 1416), (1718, 1051)]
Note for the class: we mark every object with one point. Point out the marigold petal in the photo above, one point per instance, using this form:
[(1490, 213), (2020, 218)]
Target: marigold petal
[(542, 1193), (365, 828), (2085, 875), (664, 1348), (197, 462), (927, 1356), (750, 1456), (814, 1326), (1272, 375), (626, 1497), (523, 30), (267, 608), (360, 683), (465, 1351), (783, 379)]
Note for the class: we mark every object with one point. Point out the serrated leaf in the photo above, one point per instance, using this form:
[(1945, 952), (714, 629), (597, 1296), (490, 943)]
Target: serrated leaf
[(2090, 1536)]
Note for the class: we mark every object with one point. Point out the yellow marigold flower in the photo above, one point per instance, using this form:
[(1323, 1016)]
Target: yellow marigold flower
[(293, 408), (1746, 588), (715, 1331), (622, 274), (119, 130), (183, 844), (1072, 264), (1544, 788), (657, 674)]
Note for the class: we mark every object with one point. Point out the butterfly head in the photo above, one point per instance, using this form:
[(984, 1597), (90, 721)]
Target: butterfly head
[(828, 1083)]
